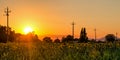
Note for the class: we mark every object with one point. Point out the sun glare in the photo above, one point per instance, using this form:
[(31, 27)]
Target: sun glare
[(28, 30)]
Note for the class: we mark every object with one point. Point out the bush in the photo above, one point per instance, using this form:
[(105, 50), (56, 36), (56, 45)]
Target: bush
[(110, 37)]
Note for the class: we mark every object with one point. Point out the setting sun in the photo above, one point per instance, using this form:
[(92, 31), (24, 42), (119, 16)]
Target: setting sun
[(28, 30)]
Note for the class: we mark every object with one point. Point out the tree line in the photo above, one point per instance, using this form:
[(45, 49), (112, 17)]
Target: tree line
[(17, 37)]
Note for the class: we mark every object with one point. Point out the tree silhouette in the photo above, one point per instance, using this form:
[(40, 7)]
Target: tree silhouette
[(12, 36), (67, 39), (83, 36), (33, 37), (17, 37), (64, 39), (3, 34), (110, 37), (47, 39), (57, 40)]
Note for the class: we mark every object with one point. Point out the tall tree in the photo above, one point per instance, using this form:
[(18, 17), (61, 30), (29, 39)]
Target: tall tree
[(83, 36), (3, 34)]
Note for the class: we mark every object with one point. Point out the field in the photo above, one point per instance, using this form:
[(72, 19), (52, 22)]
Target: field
[(59, 51)]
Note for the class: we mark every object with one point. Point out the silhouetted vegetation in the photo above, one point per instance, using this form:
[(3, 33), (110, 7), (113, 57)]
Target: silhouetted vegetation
[(37, 50), (32, 37), (3, 34), (57, 40), (47, 39), (83, 35), (69, 38), (16, 37), (76, 39), (110, 37)]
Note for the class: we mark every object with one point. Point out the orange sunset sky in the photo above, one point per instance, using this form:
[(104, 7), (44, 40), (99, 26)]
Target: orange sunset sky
[(54, 17)]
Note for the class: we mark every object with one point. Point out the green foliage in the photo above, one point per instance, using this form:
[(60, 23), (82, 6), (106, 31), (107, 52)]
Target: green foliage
[(59, 51)]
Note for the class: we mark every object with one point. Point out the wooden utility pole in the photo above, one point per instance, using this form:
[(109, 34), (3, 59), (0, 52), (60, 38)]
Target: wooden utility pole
[(7, 11)]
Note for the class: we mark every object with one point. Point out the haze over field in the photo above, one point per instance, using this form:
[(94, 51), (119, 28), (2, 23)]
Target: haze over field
[(54, 17)]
